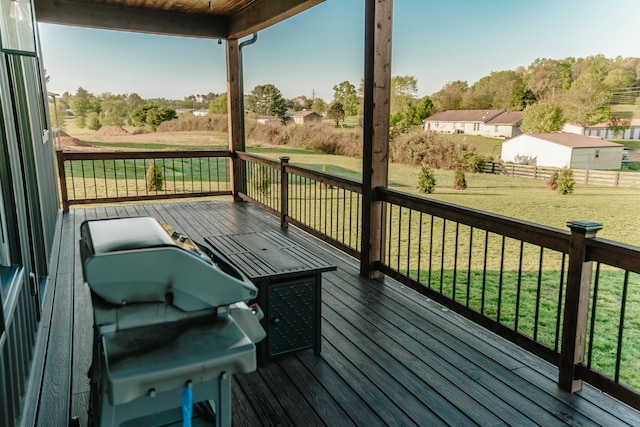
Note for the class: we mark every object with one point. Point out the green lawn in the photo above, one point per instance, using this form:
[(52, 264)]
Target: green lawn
[(521, 198)]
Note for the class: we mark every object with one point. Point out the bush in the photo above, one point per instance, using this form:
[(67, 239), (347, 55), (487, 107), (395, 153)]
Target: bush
[(552, 182), (565, 182), (471, 161), (459, 180), (154, 177), (562, 181), (94, 122), (430, 149), (426, 180)]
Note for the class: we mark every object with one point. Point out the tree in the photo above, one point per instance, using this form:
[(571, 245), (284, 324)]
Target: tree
[(618, 125), (152, 115), (336, 112), (219, 105), (403, 108), (542, 117), (546, 76), (319, 106), (587, 102), (450, 96), (499, 90), (266, 100), (345, 94), (81, 102), (114, 110), (300, 103)]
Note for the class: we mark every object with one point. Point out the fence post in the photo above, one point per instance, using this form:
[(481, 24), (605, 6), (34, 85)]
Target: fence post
[(64, 192), (576, 305), (284, 192)]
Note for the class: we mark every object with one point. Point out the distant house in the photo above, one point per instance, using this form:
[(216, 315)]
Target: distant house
[(491, 123), (562, 149), (602, 130), (185, 110), (201, 112), (305, 117), (264, 120)]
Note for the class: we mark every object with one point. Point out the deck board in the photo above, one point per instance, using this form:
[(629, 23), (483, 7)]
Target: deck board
[(389, 355)]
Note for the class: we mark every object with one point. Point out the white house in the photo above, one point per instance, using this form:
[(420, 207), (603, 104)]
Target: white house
[(492, 123), (304, 117), (562, 149), (602, 130)]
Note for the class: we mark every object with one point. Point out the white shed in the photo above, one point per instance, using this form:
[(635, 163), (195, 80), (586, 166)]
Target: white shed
[(562, 149)]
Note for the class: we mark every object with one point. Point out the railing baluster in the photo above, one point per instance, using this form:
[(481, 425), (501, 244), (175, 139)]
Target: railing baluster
[(469, 265), (623, 309), (518, 288), (500, 282), (592, 324), (455, 262), (484, 271)]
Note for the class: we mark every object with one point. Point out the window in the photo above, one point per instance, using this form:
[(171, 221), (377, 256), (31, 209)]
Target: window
[(16, 27), (597, 153)]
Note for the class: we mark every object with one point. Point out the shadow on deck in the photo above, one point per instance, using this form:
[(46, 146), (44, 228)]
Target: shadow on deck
[(389, 355)]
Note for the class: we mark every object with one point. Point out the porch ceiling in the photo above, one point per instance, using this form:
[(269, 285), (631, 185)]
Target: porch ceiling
[(222, 19)]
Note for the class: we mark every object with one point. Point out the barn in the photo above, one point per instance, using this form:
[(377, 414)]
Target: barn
[(562, 149)]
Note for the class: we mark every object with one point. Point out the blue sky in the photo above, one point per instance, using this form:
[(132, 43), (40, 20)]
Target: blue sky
[(436, 41)]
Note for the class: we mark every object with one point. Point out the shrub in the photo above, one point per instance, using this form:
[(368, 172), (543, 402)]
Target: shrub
[(94, 122), (459, 181), (154, 177), (471, 161), (430, 149), (552, 182), (565, 182), (81, 122), (426, 180)]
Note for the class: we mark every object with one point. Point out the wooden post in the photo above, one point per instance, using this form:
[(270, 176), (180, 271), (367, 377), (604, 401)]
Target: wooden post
[(64, 192), (284, 192), (377, 94), (235, 116), (574, 328)]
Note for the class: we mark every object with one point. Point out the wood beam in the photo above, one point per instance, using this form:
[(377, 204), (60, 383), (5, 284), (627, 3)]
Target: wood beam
[(235, 115), (375, 159), (264, 13), (135, 19)]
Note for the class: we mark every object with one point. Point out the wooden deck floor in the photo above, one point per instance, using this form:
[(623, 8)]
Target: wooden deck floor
[(389, 356)]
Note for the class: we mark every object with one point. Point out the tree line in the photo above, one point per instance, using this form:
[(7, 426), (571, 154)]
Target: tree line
[(550, 92)]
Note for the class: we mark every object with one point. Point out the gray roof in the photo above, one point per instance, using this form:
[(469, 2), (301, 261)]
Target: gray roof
[(574, 140), (494, 117)]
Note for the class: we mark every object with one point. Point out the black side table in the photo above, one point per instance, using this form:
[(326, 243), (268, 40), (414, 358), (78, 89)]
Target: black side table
[(289, 282)]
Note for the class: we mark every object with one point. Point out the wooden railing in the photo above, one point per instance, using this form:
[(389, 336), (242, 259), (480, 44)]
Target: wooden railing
[(106, 177), (529, 283), (581, 176), (566, 296), (326, 206)]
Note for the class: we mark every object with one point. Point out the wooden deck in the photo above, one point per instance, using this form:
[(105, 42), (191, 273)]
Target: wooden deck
[(389, 356)]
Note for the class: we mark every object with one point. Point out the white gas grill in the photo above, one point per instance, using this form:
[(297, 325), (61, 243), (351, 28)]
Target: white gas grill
[(169, 322)]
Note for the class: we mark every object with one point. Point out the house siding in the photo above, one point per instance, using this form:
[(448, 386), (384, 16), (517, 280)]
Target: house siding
[(493, 124), (596, 158), (542, 153), (29, 219), (547, 153)]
